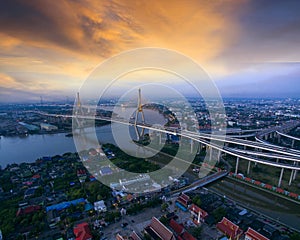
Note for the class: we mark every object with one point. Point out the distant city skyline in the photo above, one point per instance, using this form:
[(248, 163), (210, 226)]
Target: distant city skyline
[(48, 48)]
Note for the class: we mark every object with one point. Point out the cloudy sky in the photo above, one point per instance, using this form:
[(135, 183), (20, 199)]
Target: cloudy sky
[(48, 48)]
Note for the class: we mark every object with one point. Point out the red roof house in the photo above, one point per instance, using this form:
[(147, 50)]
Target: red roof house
[(279, 190), (294, 195), (229, 228), (119, 237), (268, 186), (257, 182), (156, 230), (82, 232), (251, 234), (184, 200), (198, 214), (177, 228), (134, 236), (28, 210)]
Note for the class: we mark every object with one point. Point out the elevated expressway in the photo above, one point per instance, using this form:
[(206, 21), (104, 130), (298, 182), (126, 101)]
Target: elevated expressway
[(261, 151)]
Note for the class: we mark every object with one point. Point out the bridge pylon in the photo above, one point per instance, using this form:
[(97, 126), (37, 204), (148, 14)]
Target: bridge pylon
[(78, 111), (139, 111)]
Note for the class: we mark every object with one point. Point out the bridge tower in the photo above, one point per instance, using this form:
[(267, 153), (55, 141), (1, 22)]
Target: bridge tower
[(139, 111), (78, 111)]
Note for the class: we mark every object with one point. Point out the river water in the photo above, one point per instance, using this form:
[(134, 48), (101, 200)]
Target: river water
[(32, 147)]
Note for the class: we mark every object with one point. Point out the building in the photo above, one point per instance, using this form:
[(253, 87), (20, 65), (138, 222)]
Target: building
[(176, 227), (183, 201), (251, 234), (106, 170), (229, 228), (48, 127), (156, 230), (133, 236), (197, 214), (28, 210), (100, 206), (82, 232), (180, 231)]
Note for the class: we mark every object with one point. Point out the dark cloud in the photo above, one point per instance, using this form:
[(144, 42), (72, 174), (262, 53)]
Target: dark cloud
[(28, 21), (267, 31)]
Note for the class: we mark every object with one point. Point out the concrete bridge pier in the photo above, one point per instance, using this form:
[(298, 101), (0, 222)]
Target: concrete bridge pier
[(295, 174), (266, 137), (291, 177), (192, 146), (279, 138), (219, 156), (295, 171), (248, 169), (293, 143), (237, 165), (280, 178), (210, 153)]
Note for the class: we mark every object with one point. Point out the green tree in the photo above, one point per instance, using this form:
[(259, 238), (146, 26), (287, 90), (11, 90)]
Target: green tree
[(219, 213), (295, 236), (196, 232), (197, 200), (164, 206)]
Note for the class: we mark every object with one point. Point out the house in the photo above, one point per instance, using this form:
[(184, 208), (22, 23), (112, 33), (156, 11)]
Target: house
[(119, 237), (229, 228), (198, 215), (100, 206), (82, 232), (52, 218), (251, 234), (183, 201), (28, 210), (176, 227), (134, 236), (156, 230)]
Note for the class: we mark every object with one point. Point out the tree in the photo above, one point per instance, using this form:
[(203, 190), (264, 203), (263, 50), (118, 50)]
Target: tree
[(164, 206), (197, 200), (219, 213), (196, 232), (295, 236)]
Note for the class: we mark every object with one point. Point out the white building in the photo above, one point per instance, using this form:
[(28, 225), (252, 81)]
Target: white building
[(100, 206), (48, 127)]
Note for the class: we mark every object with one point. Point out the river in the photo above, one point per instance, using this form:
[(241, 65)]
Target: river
[(32, 147)]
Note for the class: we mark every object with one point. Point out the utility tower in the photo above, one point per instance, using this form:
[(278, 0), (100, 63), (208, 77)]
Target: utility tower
[(139, 111)]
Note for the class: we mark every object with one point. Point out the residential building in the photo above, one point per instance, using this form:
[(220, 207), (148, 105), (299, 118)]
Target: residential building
[(157, 230), (100, 206), (197, 214), (229, 228), (82, 232), (251, 234)]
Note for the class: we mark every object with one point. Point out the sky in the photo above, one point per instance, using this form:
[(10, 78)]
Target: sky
[(48, 48)]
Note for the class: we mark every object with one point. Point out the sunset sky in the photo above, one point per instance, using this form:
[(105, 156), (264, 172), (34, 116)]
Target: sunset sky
[(48, 48)]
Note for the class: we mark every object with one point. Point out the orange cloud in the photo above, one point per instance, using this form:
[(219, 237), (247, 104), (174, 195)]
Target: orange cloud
[(58, 42)]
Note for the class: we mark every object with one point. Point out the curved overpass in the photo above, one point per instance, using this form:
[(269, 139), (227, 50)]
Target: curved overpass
[(273, 151)]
